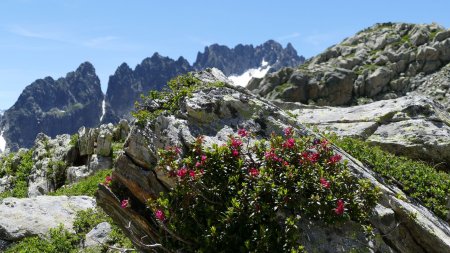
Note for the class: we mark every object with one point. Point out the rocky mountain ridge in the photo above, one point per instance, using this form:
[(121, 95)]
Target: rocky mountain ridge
[(384, 61), (64, 105)]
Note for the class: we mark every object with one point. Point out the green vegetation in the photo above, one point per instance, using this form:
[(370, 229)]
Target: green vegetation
[(168, 99), (87, 186), (19, 174), (250, 198), (282, 87), (417, 179), (74, 140), (116, 148), (60, 240)]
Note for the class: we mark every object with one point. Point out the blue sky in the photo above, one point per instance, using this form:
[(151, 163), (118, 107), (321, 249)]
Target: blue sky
[(40, 38)]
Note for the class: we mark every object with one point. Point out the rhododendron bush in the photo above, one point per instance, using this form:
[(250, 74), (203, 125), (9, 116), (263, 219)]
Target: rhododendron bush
[(250, 195)]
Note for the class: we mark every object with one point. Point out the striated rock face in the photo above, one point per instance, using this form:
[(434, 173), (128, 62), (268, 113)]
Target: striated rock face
[(400, 224), (413, 126), (235, 61), (126, 85), (381, 62), (35, 216), (54, 107)]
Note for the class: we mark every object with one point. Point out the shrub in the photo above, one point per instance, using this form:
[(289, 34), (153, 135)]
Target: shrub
[(250, 197), (417, 179), (20, 175)]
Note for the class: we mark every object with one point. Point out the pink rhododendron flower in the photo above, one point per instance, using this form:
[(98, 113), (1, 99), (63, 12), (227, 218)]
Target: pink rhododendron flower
[(192, 173), (198, 164), (235, 152), (339, 210), (159, 214), (335, 159), (203, 158), (125, 203), (289, 143), (182, 172), (288, 131), (253, 172), (108, 180), (324, 183), (272, 156), (312, 157), (242, 132), (236, 143)]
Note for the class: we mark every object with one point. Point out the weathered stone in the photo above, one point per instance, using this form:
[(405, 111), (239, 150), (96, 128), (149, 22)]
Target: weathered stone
[(86, 140), (440, 36), (99, 235), (75, 174), (104, 140), (376, 81), (35, 216), (98, 162), (46, 156)]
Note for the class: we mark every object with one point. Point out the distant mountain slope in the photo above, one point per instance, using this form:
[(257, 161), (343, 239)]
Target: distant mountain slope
[(54, 107), (383, 61)]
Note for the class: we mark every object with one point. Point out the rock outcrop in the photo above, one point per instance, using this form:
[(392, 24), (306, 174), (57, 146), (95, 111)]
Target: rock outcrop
[(35, 216), (235, 61), (413, 126), (54, 107), (400, 223), (64, 159), (381, 62)]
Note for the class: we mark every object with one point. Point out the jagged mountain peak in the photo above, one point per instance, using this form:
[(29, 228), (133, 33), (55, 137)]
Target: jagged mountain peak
[(237, 60), (54, 107)]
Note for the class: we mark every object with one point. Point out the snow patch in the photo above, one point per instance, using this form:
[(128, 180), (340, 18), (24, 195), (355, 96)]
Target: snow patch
[(2, 142), (103, 109), (243, 79)]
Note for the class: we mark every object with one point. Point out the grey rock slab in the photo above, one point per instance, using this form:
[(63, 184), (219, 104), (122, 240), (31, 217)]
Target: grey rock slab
[(35, 216), (99, 235)]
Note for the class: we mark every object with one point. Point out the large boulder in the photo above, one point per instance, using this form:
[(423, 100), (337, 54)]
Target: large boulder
[(35, 216), (414, 125), (217, 112)]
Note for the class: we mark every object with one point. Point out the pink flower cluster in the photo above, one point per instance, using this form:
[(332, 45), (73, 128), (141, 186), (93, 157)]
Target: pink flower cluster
[(159, 214), (125, 203), (108, 181), (310, 156), (325, 183), (340, 207)]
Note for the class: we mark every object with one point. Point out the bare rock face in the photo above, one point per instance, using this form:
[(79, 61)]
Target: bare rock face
[(35, 216), (54, 107), (414, 126), (217, 112), (383, 61)]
